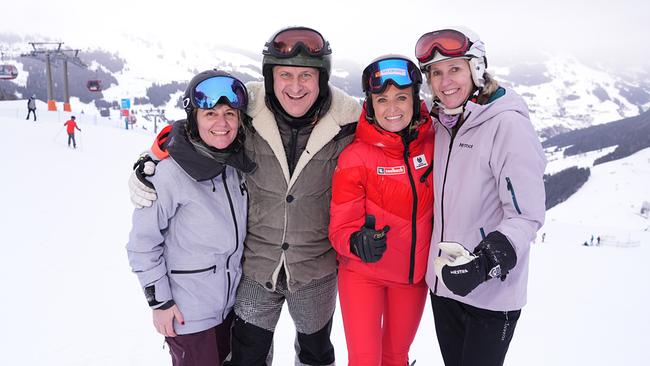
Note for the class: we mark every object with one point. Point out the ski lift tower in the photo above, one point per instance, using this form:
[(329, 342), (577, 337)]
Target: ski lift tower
[(155, 114), (45, 52), (51, 52), (66, 56)]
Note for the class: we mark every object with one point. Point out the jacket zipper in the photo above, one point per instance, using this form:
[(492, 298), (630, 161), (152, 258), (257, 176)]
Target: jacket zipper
[(511, 188), (234, 219), (414, 212), (423, 178), (293, 146), (191, 271), (442, 201)]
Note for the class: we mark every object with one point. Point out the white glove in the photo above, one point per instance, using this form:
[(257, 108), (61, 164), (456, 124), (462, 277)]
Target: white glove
[(454, 255), (458, 269), (143, 193), (461, 271)]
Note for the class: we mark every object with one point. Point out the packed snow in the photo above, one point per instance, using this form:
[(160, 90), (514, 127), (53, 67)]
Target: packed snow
[(70, 298)]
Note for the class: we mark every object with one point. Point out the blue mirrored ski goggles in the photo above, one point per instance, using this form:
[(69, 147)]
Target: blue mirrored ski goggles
[(209, 92), (402, 73)]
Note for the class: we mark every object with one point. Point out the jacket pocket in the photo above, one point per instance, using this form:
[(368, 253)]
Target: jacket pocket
[(511, 188), (192, 271), (199, 293)]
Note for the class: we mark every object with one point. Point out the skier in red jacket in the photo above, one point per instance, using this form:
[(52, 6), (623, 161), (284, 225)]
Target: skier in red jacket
[(381, 216), (71, 125)]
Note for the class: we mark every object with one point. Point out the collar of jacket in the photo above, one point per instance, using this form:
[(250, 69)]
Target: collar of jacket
[(502, 100), (343, 110), (390, 142), (197, 165)]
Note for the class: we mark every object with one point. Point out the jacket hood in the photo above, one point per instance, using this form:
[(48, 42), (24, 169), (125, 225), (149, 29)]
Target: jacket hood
[(197, 165), (476, 114)]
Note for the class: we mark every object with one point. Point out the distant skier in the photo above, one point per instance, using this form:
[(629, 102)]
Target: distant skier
[(598, 240), (70, 129), (31, 106), (592, 240), (543, 237)]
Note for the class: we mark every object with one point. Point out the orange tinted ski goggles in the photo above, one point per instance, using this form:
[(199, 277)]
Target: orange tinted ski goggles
[(448, 42), (288, 43)]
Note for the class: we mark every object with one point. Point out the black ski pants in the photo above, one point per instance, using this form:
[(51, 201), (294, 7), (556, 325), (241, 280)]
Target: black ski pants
[(206, 348), (470, 336), (30, 111)]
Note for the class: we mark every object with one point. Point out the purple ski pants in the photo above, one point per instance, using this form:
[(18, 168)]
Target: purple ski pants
[(206, 348)]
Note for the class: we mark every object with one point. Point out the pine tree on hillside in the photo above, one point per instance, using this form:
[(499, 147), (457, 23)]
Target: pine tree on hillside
[(560, 186)]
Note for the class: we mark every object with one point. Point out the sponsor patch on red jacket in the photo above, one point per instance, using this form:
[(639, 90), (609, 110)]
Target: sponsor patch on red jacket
[(391, 170), (420, 161)]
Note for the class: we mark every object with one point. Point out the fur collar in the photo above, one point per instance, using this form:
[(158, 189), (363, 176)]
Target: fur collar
[(343, 110)]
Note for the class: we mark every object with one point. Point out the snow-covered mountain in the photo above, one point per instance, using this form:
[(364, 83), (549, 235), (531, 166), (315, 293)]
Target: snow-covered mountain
[(562, 93)]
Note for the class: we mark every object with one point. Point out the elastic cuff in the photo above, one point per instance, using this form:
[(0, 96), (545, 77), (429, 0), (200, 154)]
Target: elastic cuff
[(150, 295), (166, 305)]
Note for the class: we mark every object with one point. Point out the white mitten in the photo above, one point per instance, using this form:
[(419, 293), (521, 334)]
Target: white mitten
[(143, 193), (461, 271), (458, 269), (454, 254)]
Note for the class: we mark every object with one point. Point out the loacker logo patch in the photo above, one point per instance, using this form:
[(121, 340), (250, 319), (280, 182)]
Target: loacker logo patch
[(391, 170)]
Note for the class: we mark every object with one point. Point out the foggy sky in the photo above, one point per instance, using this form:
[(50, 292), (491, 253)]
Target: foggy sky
[(611, 32)]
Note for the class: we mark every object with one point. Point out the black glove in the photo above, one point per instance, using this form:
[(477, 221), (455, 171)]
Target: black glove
[(462, 271), (368, 243), (141, 173)]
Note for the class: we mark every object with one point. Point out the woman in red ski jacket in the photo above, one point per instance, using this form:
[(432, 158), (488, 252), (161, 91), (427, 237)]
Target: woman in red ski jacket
[(381, 216)]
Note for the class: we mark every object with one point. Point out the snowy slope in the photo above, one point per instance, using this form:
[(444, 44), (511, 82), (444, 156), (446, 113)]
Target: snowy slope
[(69, 297), (557, 161)]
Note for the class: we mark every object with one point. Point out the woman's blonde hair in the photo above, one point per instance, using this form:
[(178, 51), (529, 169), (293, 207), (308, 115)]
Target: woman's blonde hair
[(491, 85)]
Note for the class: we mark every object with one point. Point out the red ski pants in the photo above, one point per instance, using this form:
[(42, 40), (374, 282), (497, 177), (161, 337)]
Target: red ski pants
[(380, 318)]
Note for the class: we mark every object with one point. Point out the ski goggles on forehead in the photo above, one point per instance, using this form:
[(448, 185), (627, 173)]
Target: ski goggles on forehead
[(210, 92), (399, 72), (289, 42), (448, 42)]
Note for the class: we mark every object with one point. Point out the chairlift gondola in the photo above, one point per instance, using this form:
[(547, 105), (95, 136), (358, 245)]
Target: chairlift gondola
[(8, 72), (94, 85)]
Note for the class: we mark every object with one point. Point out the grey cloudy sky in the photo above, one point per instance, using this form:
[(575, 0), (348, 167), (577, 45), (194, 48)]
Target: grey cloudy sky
[(612, 32)]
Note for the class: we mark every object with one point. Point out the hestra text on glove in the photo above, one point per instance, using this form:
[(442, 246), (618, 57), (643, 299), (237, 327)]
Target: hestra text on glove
[(461, 271)]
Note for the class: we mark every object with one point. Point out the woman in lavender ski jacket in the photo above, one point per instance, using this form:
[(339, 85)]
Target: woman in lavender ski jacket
[(186, 248), (489, 200)]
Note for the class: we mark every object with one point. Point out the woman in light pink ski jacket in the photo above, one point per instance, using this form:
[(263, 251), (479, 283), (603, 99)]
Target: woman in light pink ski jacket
[(489, 200)]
